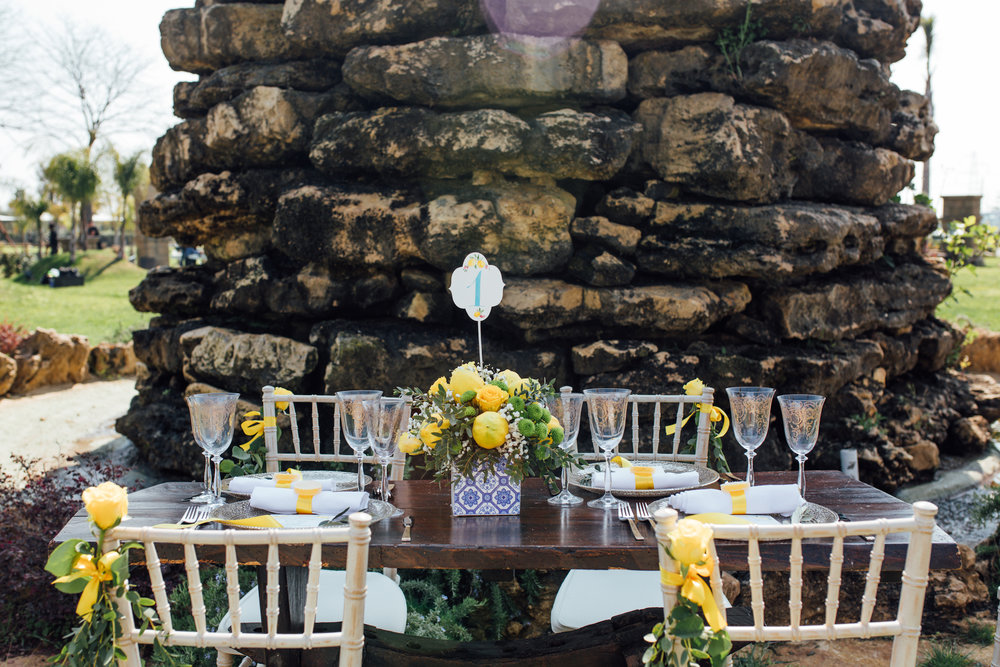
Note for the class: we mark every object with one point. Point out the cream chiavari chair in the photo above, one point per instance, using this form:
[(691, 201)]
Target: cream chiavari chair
[(905, 628), (350, 638), (995, 662), (590, 596)]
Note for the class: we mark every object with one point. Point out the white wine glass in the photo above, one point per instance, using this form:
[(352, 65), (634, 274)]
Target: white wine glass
[(213, 418), (387, 425), (356, 412), (607, 408), (750, 408), (567, 408), (800, 413)]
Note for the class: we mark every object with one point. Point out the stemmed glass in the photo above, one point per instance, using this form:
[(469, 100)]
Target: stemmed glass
[(213, 417), (387, 425), (566, 407), (355, 417), (751, 411), (607, 409), (800, 414)]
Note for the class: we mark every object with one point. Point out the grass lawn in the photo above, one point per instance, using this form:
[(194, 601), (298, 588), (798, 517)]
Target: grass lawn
[(99, 310), (980, 308)]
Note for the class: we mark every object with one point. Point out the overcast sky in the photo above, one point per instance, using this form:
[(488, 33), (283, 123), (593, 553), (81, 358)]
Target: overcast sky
[(964, 67)]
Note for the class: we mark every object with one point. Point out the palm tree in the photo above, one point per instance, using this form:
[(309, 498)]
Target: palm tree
[(928, 26), (130, 173), (75, 178), (31, 210)]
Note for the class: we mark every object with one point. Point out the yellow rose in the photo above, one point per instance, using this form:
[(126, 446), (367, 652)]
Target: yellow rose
[(280, 391), (409, 443), (490, 398), (689, 541), (464, 379), (430, 433), (106, 503), (509, 377), (694, 388), (440, 382)]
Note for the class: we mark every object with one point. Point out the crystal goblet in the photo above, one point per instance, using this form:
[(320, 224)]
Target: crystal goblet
[(607, 408), (213, 418), (566, 407), (800, 414), (751, 415), (355, 417), (387, 425)]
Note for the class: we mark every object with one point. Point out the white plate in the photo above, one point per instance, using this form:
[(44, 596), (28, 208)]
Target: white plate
[(343, 480), (584, 479), (811, 513), (378, 510)]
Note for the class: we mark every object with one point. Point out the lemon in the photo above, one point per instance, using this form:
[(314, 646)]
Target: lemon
[(509, 377), (409, 443), (624, 463), (490, 430), (553, 423), (430, 433), (719, 518)]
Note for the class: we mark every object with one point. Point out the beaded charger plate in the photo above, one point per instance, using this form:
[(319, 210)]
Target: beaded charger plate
[(591, 478), (343, 481), (378, 509), (807, 513)]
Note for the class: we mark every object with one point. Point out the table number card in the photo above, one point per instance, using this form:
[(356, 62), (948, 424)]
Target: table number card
[(477, 287)]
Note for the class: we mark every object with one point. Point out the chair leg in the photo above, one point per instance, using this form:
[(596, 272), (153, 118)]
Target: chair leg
[(996, 638), (223, 659)]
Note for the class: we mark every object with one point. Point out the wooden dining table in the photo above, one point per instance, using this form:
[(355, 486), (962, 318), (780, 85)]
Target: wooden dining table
[(545, 536)]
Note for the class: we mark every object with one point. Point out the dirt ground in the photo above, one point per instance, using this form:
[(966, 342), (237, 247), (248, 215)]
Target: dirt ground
[(59, 422)]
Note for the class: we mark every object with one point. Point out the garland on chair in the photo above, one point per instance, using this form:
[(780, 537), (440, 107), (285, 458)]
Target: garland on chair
[(96, 640), (716, 457), (250, 457), (687, 639)]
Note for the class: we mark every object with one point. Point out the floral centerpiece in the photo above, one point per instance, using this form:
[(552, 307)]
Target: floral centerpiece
[(486, 431), (95, 574)]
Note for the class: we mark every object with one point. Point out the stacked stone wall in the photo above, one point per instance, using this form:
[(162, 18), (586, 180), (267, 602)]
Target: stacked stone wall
[(661, 209)]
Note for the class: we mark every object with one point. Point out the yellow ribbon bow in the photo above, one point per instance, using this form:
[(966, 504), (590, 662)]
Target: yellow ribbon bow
[(697, 590), (84, 568), (715, 414), (255, 427)]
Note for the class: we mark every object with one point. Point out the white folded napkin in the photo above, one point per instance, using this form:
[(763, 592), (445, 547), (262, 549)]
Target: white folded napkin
[(624, 479), (764, 499), (247, 484), (282, 501)]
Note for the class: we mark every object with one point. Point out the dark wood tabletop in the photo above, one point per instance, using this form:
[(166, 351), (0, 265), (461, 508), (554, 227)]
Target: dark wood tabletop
[(549, 537)]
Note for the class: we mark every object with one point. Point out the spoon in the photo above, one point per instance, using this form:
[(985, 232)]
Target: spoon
[(407, 522)]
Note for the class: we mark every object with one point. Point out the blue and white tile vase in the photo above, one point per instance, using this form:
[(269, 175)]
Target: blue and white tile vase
[(485, 494)]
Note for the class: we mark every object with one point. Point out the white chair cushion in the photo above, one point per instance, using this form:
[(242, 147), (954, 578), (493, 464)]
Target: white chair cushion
[(591, 596), (385, 606)]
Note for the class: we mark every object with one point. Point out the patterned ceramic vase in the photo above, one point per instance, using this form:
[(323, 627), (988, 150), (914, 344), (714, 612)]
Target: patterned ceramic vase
[(485, 494)]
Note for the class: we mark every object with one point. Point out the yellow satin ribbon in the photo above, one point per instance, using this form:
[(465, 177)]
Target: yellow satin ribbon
[(255, 427), (263, 521), (643, 477), (304, 497), (714, 414), (84, 568), (697, 590), (738, 494), (284, 480)]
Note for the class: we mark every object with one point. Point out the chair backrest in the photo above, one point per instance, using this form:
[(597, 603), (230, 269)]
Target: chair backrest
[(645, 430), (350, 638), (328, 449), (905, 628), (995, 662)]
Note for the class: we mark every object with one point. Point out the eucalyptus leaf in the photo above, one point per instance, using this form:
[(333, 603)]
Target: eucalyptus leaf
[(60, 562)]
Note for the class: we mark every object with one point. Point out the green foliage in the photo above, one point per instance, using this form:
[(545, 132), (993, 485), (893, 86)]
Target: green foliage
[(965, 242), (868, 423), (980, 633), (732, 42), (436, 609), (686, 640), (758, 655), (947, 655), (921, 199), (213, 581), (975, 297)]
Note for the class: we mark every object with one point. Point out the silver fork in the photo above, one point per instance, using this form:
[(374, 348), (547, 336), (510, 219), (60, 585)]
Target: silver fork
[(642, 513), (625, 514), (194, 514)]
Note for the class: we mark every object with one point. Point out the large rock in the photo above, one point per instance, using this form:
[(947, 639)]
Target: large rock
[(246, 362), (536, 305), (386, 355), (982, 352), (184, 291), (195, 98), (159, 347), (817, 85), (905, 226), (204, 39), (348, 225), (419, 142), (486, 70), (711, 145), (776, 242), (8, 371), (262, 127), (46, 357), (846, 306), (112, 359), (853, 173), (320, 26), (913, 129), (523, 229), (605, 356)]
